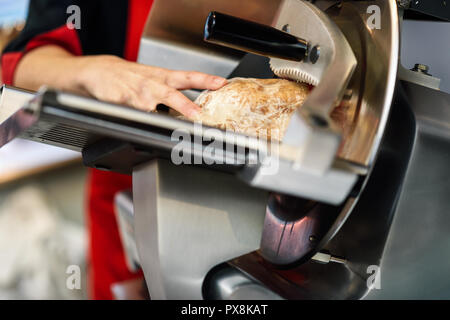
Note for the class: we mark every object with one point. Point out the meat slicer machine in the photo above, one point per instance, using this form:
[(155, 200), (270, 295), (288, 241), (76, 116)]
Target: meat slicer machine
[(352, 204)]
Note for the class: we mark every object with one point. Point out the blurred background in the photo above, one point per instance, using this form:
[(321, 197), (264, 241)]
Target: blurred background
[(42, 228)]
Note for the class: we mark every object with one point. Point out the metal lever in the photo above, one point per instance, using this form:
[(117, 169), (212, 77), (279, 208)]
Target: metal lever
[(253, 37), (324, 258)]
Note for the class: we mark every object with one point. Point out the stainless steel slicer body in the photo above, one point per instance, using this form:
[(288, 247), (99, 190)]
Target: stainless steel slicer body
[(318, 167)]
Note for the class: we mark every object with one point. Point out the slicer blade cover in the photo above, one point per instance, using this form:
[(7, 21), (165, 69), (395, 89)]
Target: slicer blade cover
[(330, 73)]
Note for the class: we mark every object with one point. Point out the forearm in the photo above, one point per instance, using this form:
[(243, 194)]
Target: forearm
[(52, 66), (112, 79)]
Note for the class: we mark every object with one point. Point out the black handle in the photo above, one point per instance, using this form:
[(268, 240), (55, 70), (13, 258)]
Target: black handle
[(253, 37)]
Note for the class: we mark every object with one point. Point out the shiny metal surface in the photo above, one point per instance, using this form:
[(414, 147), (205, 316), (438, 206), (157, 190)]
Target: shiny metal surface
[(159, 53), (322, 257), (75, 122), (311, 140), (332, 187), (287, 240), (294, 228), (227, 283), (14, 117), (400, 222), (364, 112), (163, 54), (168, 19), (171, 41), (331, 73), (311, 152), (361, 239), (186, 223), (124, 210), (418, 78), (308, 22), (416, 258), (11, 100), (403, 3)]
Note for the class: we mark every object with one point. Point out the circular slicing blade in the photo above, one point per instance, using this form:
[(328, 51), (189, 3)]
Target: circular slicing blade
[(294, 74)]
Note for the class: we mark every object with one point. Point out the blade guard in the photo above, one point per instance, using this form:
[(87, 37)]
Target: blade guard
[(331, 72)]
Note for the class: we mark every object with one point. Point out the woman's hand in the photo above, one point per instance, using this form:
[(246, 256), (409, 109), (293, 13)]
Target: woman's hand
[(113, 79)]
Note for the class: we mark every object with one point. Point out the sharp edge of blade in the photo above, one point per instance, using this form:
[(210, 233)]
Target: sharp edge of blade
[(295, 74)]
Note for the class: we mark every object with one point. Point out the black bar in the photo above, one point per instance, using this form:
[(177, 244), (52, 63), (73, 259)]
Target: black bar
[(253, 37)]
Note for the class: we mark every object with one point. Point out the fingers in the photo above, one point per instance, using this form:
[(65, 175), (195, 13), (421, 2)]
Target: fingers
[(194, 80), (178, 101), (144, 87), (154, 93)]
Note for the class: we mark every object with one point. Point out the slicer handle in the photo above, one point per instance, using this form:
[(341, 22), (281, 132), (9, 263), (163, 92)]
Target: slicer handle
[(253, 37)]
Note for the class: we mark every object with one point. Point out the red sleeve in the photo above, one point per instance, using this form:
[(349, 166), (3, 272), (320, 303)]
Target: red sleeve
[(63, 36), (137, 16)]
